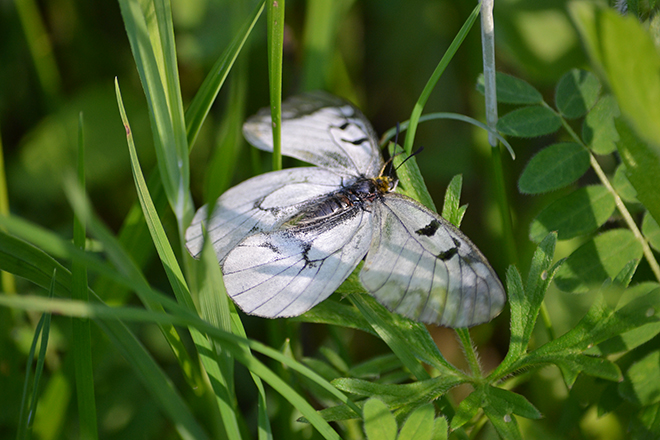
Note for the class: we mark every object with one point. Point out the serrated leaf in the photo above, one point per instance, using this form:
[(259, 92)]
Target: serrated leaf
[(512, 90), (577, 91), (651, 231), (379, 423), (579, 213), (467, 409), (397, 395), (554, 167), (573, 364), (419, 424), (600, 258), (641, 384), (529, 122), (451, 208), (623, 186), (513, 403), (598, 130)]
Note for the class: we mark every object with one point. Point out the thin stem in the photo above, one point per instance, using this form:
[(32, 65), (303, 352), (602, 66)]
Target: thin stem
[(470, 354), (630, 222)]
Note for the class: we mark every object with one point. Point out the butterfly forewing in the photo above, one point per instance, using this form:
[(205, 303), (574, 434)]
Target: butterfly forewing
[(323, 130), (288, 271), (259, 204), (421, 267)]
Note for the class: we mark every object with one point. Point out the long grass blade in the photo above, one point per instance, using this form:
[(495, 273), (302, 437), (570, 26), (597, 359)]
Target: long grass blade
[(80, 328), (275, 45)]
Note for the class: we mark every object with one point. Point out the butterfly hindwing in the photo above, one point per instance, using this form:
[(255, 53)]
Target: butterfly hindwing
[(422, 267), (323, 130), (288, 271)]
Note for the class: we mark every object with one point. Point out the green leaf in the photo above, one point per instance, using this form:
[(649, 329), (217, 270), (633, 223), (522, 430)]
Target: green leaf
[(646, 423), (529, 122), (623, 186), (467, 409), (375, 366), (642, 167), (525, 301), (419, 424), (513, 403), (641, 384), (579, 213), (625, 53), (576, 93), (600, 258), (379, 423), (397, 395), (512, 90), (598, 130), (440, 428), (651, 231), (554, 167), (451, 210)]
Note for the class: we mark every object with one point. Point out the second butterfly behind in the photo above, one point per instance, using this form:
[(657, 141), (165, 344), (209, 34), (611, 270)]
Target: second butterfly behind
[(286, 240)]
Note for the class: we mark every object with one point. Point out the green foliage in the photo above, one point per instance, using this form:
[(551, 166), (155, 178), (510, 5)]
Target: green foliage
[(165, 344)]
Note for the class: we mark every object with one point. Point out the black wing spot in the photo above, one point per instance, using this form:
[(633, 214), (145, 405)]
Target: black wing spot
[(456, 242), (356, 141), (344, 126), (448, 254), (430, 229), (271, 246)]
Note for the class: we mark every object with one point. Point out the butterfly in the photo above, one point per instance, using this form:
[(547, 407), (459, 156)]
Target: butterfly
[(286, 240)]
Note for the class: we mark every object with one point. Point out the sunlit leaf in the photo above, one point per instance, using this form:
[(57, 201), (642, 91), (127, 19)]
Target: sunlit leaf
[(600, 258), (554, 167), (577, 91), (529, 122), (578, 213)]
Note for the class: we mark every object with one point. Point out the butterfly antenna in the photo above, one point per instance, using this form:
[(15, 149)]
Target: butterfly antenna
[(415, 153), (388, 164)]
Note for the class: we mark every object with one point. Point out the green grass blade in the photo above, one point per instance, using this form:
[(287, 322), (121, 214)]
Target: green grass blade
[(201, 104), (24, 419), (428, 88), (219, 368), (80, 328), (185, 318), (65, 249), (146, 37), (275, 11), (31, 263), (8, 283)]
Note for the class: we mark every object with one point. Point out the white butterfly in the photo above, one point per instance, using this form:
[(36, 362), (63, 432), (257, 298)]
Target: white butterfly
[(286, 240)]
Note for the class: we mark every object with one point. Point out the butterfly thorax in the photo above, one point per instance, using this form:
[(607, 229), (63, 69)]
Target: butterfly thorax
[(358, 195)]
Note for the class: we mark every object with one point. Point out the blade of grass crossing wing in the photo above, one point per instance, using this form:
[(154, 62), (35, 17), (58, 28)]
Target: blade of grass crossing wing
[(222, 383), (80, 328), (275, 11)]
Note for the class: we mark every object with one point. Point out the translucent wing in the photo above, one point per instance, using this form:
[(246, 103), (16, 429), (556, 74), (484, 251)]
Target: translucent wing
[(323, 130), (288, 271), (422, 267), (261, 203)]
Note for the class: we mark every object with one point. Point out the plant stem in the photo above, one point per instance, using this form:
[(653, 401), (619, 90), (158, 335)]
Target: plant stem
[(470, 354)]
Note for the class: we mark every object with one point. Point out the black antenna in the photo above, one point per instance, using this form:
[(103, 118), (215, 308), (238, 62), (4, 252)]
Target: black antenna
[(389, 165), (415, 153)]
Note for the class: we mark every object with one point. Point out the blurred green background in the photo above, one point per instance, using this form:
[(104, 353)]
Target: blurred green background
[(60, 57)]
